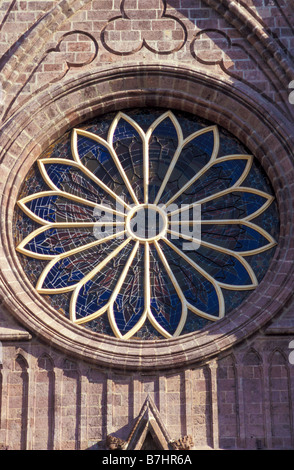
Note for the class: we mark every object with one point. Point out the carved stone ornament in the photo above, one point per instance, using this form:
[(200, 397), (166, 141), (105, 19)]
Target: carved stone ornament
[(184, 443), (149, 419), (114, 443)]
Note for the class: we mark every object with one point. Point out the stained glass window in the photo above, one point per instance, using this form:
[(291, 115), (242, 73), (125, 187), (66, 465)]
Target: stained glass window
[(146, 224)]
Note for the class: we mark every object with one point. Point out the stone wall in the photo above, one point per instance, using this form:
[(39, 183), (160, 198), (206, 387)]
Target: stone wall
[(64, 61), (240, 400)]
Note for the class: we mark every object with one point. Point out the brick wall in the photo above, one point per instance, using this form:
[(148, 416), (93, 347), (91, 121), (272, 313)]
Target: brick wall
[(72, 405)]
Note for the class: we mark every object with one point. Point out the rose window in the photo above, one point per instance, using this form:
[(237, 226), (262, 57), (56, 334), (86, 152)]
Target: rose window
[(146, 224)]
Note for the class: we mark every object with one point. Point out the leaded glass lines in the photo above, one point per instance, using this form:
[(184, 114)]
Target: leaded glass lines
[(120, 233)]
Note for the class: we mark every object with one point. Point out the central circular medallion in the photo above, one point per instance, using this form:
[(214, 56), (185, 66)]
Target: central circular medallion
[(146, 222)]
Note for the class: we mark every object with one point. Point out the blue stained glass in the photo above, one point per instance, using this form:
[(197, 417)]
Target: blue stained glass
[(166, 305), (169, 317), (58, 209), (167, 131), (44, 207), (222, 267), (129, 305), (73, 268), (88, 302), (162, 148), (74, 181), (194, 156), (198, 291), (89, 149), (42, 245), (233, 237), (205, 142), (206, 300), (58, 173), (125, 131), (198, 288), (87, 146), (57, 241), (64, 273), (219, 177), (127, 316), (234, 205)]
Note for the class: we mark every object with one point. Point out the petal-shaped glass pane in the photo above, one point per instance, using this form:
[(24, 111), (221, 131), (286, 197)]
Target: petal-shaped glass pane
[(163, 144), (44, 207), (235, 237), (198, 290), (71, 179), (129, 305), (125, 131), (54, 208), (194, 155), (96, 156), (236, 204), (90, 150), (95, 294), (218, 177), (221, 266), (166, 305), (69, 271), (56, 241), (128, 145)]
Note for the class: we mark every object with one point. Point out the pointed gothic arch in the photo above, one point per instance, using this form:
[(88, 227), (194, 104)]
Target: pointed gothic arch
[(149, 433)]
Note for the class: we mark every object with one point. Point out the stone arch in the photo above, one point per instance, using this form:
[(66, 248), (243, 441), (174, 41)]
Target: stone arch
[(45, 362), (35, 39), (21, 360), (252, 358), (250, 28)]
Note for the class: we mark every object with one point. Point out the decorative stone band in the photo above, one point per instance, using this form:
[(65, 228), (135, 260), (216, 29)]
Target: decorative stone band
[(114, 443), (184, 443)]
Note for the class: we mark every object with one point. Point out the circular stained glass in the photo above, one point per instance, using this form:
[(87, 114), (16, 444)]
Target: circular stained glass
[(146, 224)]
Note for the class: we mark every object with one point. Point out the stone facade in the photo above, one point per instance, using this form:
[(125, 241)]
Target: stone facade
[(228, 61)]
